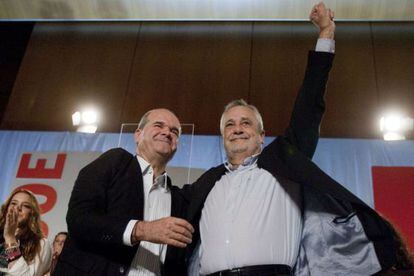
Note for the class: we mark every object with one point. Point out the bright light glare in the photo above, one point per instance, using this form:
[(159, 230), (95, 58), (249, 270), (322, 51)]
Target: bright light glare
[(391, 123), (76, 118), (393, 126), (86, 120), (87, 128), (89, 117), (393, 136), (396, 123)]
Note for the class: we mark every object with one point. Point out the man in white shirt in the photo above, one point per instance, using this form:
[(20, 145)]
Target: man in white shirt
[(271, 211), (121, 211), (233, 233)]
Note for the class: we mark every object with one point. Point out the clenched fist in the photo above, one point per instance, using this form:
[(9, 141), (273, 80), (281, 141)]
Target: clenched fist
[(322, 17)]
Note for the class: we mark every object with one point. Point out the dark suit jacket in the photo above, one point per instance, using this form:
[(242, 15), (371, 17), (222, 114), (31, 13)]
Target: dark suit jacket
[(107, 194), (287, 158)]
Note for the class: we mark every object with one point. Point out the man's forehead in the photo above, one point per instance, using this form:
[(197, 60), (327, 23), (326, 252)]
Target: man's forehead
[(239, 113), (163, 116)]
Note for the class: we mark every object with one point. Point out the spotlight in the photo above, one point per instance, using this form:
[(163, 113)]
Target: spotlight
[(85, 120), (393, 126), (89, 117)]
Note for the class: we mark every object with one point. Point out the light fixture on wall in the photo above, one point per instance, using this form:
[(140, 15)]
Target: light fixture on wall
[(394, 126), (86, 120)]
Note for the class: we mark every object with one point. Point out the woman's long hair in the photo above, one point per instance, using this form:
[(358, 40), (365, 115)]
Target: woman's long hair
[(30, 233), (404, 256), (404, 259)]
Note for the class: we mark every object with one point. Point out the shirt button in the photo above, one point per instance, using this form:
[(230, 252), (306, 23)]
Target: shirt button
[(227, 241), (121, 269)]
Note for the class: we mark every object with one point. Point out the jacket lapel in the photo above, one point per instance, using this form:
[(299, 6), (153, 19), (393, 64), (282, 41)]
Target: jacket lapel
[(201, 189)]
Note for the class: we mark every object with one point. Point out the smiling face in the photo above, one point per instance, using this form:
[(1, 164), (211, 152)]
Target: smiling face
[(241, 134), (158, 138), (23, 204)]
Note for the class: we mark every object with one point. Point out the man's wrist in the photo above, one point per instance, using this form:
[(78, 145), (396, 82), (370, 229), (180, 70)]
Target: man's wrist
[(327, 32), (138, 232)]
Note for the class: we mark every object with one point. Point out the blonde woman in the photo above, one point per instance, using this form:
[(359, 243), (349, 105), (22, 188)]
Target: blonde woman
[(23, 249)]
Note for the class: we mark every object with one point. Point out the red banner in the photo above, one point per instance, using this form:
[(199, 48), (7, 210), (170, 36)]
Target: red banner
[(394, 197)]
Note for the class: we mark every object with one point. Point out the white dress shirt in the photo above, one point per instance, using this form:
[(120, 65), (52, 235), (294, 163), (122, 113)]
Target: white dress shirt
[(249, 219), (157, 204)]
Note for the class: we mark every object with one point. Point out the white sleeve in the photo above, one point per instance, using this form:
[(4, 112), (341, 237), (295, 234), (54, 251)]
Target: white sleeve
[(128, 232), (38, 267), (325, 45)]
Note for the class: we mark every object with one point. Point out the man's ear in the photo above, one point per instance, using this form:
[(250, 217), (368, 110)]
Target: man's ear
[(136, 135), (262, 137)]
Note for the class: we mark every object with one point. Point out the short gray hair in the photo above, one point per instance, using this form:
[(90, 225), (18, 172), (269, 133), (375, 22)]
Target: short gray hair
[(241, 102), (144, 120)]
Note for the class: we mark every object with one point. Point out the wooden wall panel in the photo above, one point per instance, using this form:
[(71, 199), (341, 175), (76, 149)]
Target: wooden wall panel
[(67, 65), (394, 58), (279, 58), (193, 69), (352, 94)]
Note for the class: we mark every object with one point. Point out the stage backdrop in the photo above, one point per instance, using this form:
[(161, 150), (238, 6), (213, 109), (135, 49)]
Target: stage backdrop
[(380, 173)]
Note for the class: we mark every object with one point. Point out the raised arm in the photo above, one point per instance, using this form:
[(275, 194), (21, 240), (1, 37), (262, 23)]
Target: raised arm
[(303, 130)]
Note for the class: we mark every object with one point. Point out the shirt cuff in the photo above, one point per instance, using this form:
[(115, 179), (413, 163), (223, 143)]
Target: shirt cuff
[(128, 232), (325, 45)]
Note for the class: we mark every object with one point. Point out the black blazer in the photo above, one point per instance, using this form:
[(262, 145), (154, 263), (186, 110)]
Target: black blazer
[(107, 194), (288, 158)]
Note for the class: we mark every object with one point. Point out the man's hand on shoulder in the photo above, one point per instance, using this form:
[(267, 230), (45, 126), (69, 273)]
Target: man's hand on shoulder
[(322, 17), (170, 230)]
